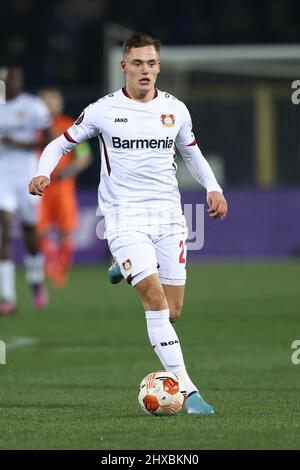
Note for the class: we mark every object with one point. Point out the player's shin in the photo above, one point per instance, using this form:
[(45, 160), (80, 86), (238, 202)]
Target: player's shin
[(66, 251), (34, 268), (65, 258), (166, 344), (50, 252), (7, 281)]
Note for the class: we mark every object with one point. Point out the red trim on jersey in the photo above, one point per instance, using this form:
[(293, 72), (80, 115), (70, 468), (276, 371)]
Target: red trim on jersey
[(192, 143), (174, 164), (126, 92), (106, 155), (124, 89), (69, 138)]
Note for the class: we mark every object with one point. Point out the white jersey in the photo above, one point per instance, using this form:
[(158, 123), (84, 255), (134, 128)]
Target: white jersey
[(21, 119), (137, 143)]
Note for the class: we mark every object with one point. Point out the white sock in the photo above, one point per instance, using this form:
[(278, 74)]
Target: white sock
[(166, 344), (7, 280), (189, 385), (34, 266)]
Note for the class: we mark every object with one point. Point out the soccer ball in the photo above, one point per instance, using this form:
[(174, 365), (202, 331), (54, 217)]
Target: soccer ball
[(161, 393)]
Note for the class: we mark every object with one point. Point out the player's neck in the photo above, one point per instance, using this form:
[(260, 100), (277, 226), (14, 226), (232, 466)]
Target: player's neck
[(140, 96)]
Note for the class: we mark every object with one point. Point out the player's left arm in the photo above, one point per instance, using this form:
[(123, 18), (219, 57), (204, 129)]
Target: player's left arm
[(202, 172), (200, 168), (217, 205)]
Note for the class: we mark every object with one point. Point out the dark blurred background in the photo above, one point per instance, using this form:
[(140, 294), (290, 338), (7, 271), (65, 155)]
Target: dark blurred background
[(61, 41), (233, 62), (64, 43)]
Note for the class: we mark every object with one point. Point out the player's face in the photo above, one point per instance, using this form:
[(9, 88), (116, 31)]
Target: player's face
[(54, 101), (141, 67)]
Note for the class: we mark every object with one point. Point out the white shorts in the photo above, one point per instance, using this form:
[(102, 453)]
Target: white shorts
[(150, 250), (14, 194)]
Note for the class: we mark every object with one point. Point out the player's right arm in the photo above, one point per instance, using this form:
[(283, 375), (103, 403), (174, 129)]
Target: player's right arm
[(83, 129), (38, 184)]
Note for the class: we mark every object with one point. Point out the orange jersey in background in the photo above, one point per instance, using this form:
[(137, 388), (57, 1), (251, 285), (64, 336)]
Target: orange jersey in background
[(60, 125), (59, 205)]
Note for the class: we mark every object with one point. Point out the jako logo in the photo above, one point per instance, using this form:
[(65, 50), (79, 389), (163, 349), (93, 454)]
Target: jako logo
[(169, 343), (2, 352), (121, 120), (295, 358), (142, 143)]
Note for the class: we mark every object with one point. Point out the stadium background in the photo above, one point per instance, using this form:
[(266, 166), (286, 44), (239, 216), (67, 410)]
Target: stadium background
[(247, 282), (244, 119)]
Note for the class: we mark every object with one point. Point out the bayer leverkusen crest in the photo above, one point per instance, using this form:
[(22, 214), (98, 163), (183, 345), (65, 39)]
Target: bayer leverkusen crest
[(127, 264), (168, 120)]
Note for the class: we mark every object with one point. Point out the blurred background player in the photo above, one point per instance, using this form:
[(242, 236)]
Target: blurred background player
[(22, 119), (59, 207)]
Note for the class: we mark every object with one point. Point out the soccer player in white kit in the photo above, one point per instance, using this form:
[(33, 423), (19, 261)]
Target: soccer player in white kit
[(22, 119), (138, 128)]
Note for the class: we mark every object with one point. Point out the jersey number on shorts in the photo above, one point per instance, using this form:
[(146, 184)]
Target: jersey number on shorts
[(182, 259)]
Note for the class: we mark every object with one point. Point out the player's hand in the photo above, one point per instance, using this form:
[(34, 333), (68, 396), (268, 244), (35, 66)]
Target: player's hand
[(217, 205), (38, 184)]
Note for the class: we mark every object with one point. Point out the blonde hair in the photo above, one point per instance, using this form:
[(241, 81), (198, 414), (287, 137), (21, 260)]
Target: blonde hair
[(140, 40)]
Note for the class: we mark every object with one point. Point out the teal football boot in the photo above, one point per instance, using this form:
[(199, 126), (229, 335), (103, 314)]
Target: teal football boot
[(194, 404), (114, 273)]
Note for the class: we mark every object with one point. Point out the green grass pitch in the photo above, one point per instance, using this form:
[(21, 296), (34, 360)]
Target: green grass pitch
[(70, 381)]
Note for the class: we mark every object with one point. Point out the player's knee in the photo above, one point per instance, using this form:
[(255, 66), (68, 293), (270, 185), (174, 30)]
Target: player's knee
[(175, 311), (155, 300)]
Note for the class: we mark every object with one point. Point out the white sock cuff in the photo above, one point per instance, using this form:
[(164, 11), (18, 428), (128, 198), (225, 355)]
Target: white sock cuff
[(179, 371), (34, 265), (157, 314)]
